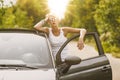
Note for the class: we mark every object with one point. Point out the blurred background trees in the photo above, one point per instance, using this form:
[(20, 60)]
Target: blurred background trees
[(24, 14), (80, 13), (101, 16), (107, 17)]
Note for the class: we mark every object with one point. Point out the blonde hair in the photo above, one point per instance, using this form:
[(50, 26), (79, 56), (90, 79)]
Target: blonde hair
[(51, 14)]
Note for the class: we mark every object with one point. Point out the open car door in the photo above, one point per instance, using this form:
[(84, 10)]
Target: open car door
[(94, 64)]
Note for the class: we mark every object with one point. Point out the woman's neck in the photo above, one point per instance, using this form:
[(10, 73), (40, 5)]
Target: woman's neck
[(55, 28), (55, 31)]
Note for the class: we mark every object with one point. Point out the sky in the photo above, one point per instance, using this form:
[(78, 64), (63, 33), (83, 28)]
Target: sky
[(8, 2)]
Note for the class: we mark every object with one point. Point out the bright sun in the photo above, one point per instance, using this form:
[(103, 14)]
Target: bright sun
[(58, 7)]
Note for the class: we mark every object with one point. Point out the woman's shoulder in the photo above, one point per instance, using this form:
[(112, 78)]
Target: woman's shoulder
[(65, 29)]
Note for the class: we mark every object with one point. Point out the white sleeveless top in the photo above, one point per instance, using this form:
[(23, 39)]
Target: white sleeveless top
[(56, 42)]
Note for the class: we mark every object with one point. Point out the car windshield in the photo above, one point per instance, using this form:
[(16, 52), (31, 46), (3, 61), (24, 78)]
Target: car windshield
[(24, 48)]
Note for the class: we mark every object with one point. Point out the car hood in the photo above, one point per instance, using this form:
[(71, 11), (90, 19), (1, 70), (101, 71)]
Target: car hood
[(27, 75)]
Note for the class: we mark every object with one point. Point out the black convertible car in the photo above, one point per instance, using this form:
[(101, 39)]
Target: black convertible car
[(26, 55)]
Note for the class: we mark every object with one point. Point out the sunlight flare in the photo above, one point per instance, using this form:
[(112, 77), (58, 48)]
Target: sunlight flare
[(58, 7)]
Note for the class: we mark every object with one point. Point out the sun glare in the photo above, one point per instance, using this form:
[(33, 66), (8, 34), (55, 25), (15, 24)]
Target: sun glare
[(58, 7)]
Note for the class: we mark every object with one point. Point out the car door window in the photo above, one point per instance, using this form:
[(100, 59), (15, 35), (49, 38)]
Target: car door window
[(90, 48)]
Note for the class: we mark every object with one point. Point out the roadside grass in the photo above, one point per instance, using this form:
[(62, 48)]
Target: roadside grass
[(117, 55)]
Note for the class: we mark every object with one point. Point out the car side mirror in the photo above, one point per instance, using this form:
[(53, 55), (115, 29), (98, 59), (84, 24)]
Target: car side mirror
[(69, 61), (72, 60)]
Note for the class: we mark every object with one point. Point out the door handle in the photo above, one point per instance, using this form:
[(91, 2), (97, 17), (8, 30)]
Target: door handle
[(105, 68)]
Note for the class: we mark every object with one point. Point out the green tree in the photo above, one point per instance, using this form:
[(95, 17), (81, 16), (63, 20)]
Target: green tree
[(24, 14), (80, 14), (107, 18), (35, 9), (14, 17)]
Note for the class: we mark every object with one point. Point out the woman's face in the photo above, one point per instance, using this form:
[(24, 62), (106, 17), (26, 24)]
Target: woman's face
[(52, 20)]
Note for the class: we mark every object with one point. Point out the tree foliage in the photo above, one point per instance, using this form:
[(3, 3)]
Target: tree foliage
[(24, 14), (80, 14), (36, 9), (107, 17), (14, 17)]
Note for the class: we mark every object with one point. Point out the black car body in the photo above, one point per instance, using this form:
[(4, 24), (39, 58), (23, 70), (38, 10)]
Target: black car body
[(26, 54)]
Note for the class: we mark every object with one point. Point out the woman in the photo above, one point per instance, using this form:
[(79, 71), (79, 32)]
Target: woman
[(57, 35)]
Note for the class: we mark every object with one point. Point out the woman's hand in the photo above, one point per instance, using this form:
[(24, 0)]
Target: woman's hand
[(80, 44)]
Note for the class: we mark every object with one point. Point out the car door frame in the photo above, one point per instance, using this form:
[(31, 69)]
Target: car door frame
[(101, 61), (97, 40)]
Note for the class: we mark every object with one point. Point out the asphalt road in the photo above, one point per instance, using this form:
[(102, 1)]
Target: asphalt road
[(115, 64), (89, 51)]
